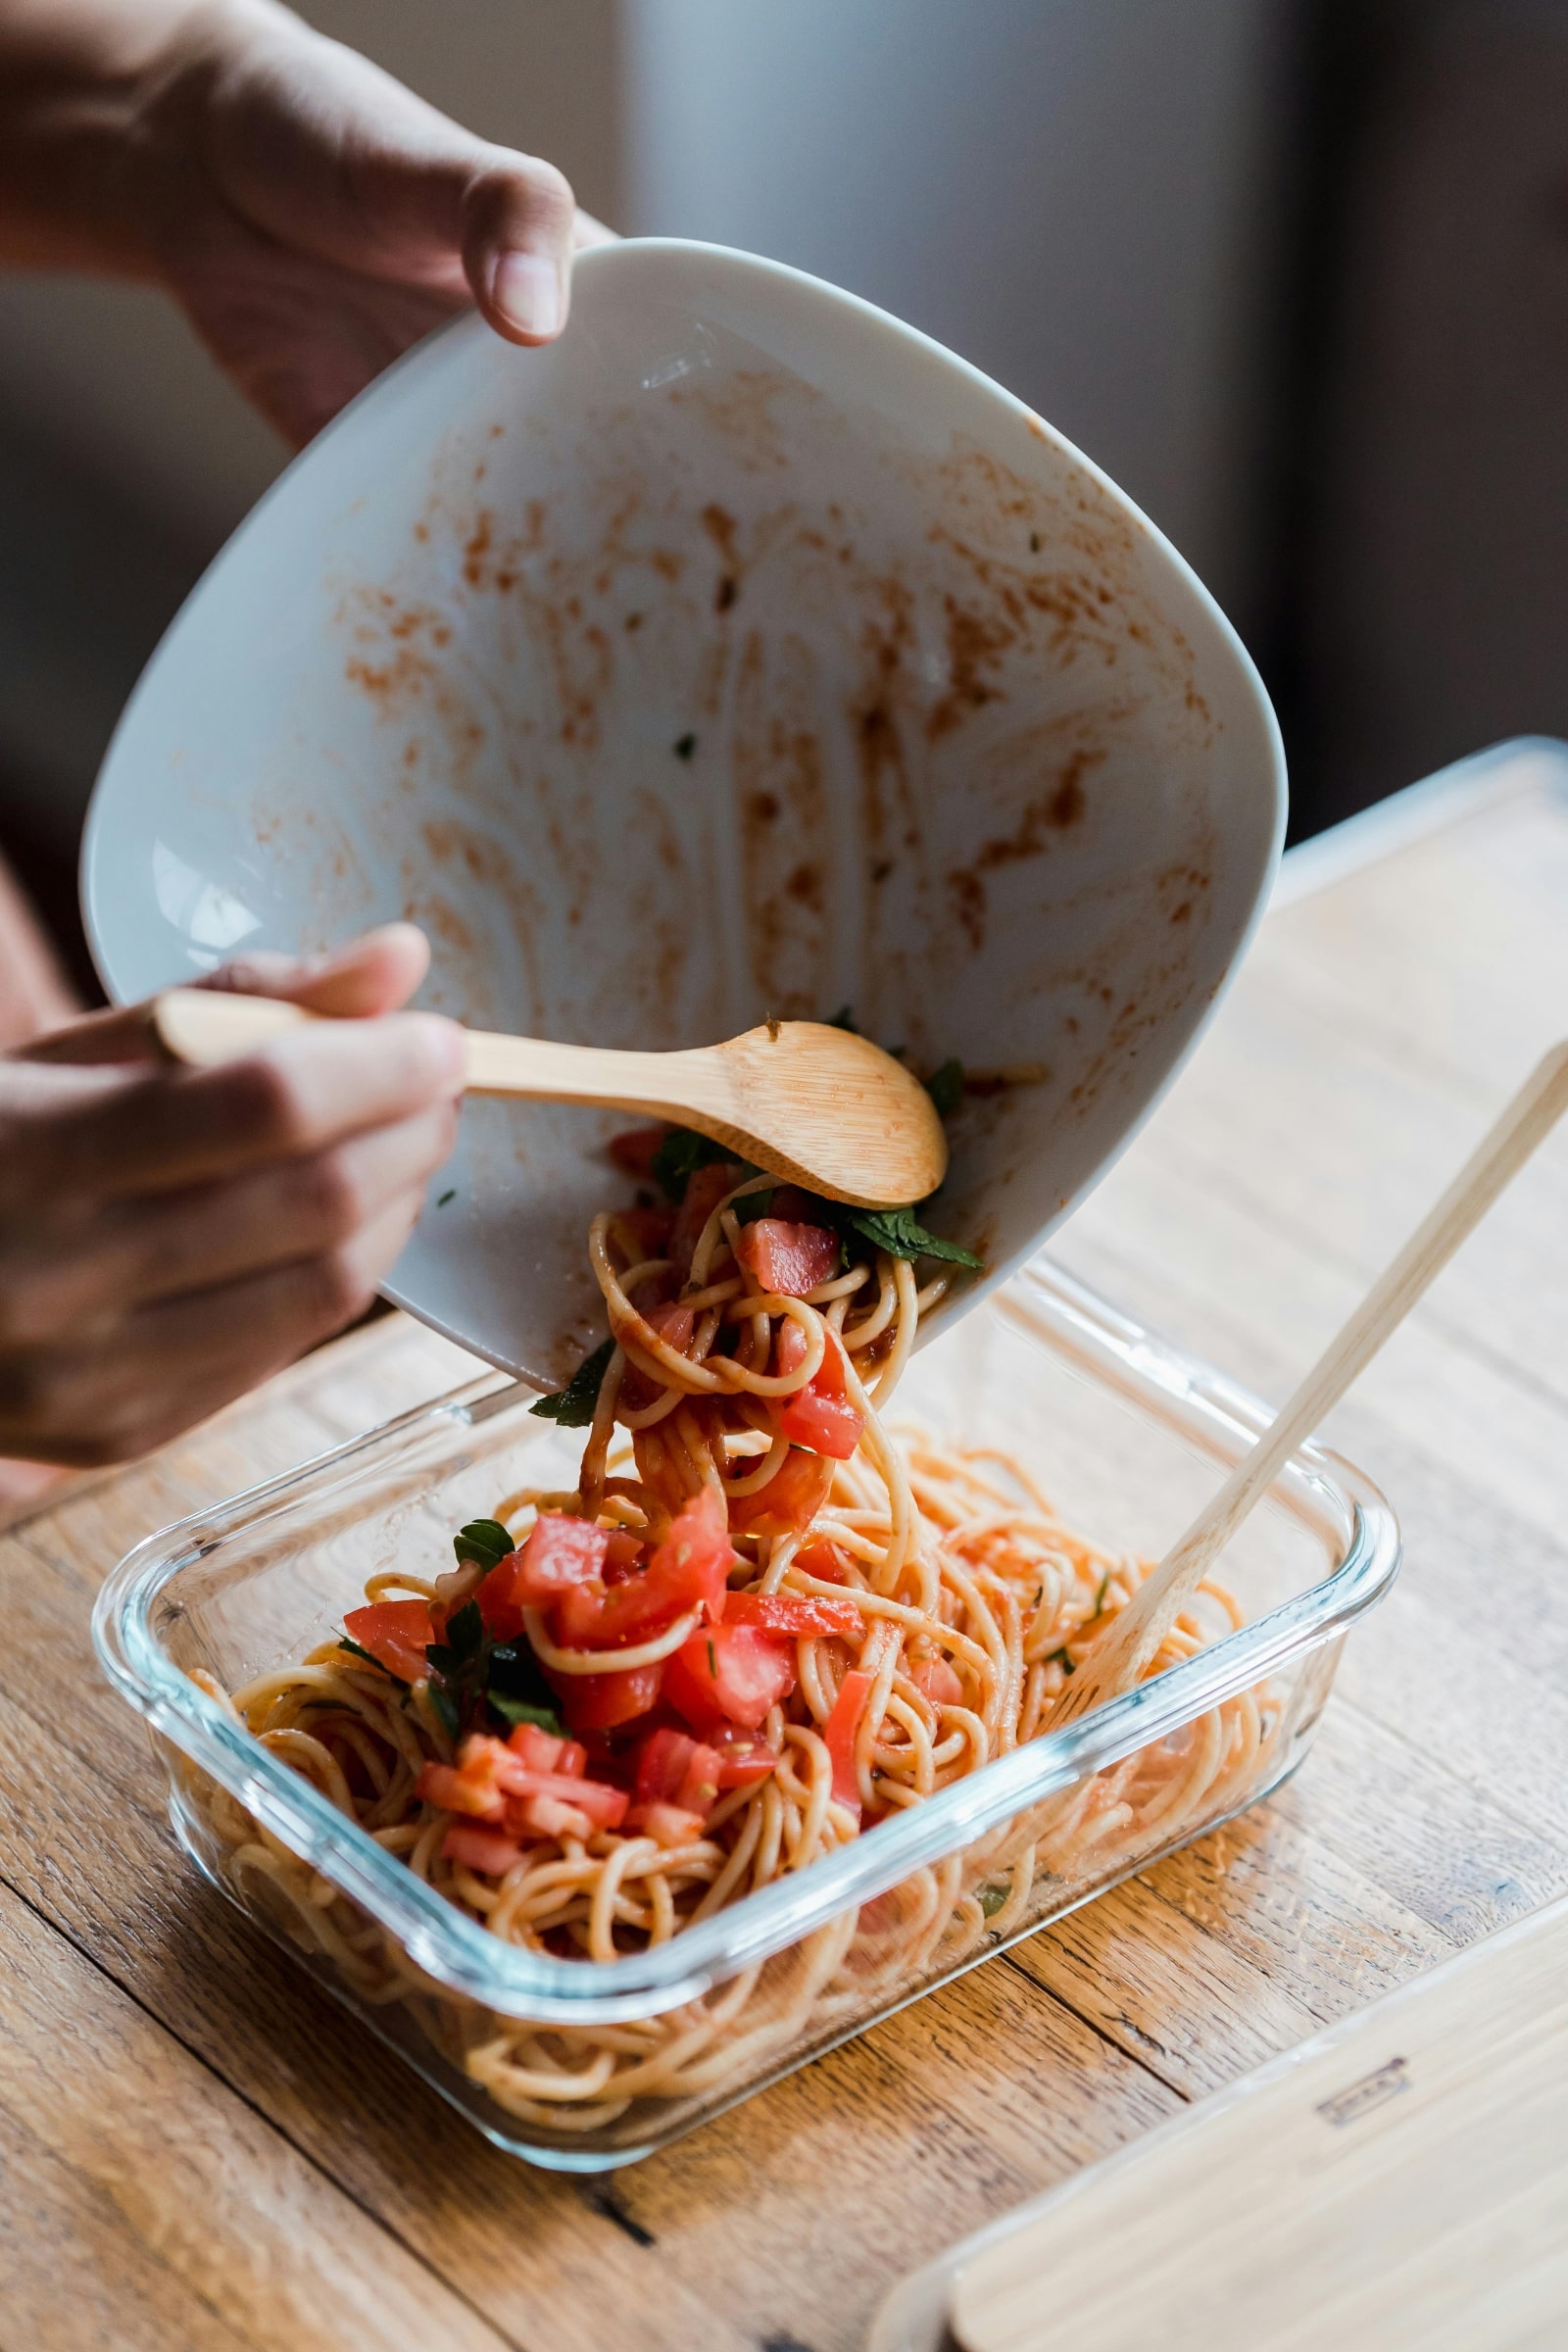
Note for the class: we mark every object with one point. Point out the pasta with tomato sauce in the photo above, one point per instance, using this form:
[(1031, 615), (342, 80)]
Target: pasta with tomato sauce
[(758, 1626)]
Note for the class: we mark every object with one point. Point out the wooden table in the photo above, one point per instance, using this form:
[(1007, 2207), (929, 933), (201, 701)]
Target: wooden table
[(197, 2148)]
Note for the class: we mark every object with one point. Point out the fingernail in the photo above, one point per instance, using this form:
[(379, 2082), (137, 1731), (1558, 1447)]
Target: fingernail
[(526, 290)]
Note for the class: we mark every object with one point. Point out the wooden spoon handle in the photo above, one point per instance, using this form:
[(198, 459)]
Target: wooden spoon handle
[(207, 1026), (1118, 1661)]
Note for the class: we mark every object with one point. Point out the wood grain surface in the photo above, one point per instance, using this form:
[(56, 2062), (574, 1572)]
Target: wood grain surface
[(198, 2149)]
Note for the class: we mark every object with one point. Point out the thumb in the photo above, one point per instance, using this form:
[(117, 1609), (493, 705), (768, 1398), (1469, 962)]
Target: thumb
[(519, 218), (374, 974)]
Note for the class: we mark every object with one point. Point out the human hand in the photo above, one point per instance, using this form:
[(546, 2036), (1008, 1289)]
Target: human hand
[(313, 215), (170, 1237)]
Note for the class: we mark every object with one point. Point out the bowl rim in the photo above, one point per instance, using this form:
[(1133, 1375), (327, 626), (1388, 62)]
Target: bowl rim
[(96, 886), (1168, 1385)]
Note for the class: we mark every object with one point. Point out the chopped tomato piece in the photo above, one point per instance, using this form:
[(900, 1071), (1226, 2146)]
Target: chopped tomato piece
[(561, 1552), (823, 1560), (823, 1423), (729, 1674), (740, 1759), (688, 1570), (480, 1849), (667, 1825), (676, 1770), (635, 1148), (673, 1323), (497, 1767), (790, 1501), (791, 1260), (457, 1792), (705, 1190), (646, 1230), (798, 1614), (541, 1751), (841, 1731), (624, 1556), (396, 1634), (940, 1683), (818, 1415), (550, 1817), (603, 1703)]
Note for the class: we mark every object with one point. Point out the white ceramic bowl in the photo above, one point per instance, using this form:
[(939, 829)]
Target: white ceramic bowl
[(743, 653)]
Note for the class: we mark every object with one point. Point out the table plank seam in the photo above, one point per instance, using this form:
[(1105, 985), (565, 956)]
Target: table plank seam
[(268, 2123), (1135, 2057)]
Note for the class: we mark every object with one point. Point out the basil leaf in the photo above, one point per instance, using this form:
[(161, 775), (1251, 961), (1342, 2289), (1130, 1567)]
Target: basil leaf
[(572, 1408), (946, 1089), (992, 1899), (520, 1710), (517, 1674), (483, 1539), (901, 1234), (354, 1651), (752, 1206), (678, 1158), (444, 1707)]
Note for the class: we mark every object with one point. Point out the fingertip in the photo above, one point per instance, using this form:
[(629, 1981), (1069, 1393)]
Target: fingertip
[(375, 973), (528, 296), (445, 1048)]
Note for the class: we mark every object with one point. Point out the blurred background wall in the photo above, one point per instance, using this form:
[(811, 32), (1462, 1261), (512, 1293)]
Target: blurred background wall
[(1294, 271)]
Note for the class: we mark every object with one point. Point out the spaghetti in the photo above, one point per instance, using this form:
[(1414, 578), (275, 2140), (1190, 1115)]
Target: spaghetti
[(749, 1634)]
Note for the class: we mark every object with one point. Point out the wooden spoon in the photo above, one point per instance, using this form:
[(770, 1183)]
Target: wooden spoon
[(818, 1106), (1124, 1650)]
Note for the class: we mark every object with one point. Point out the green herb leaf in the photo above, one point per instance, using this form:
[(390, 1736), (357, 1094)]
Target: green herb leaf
[(458, 1668), (1059, 1658), (443, 1197), (517, 1676), (752, 1206), (522, 1710), (901, 1234), (463, 1641), (483, 1539), (992, 1899), (684, 746), (356, 1651), (1100, 1596), (682, 1151), (946, 1089), (443, 1708), (572, 1406)]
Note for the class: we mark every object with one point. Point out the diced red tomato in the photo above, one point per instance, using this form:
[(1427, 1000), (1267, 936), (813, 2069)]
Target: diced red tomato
[(396, 1633), (705, 1190), (497, 1768), (823, 1560), (541, 1751), (673, 1323), (820, 1415), (798, 1614), (825, 1424), (668, 1825), (480, 1849), (791, 1260), (646, 1230), (624, 1556), (841, 1731), (790, 1501), (561, 1552), (740, 1759), (729, 1674), (456, 1793), (688, 1570), (603, 1703), (634, 1150), (550, 1817), (676, 1770), (940, 1683)]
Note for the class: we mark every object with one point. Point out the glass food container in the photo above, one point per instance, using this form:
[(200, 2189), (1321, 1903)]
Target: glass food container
[(1122, 1430)]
